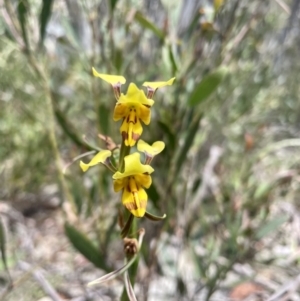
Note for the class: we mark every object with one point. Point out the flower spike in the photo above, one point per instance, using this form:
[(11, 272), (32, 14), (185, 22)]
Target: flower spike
[(153, 86)]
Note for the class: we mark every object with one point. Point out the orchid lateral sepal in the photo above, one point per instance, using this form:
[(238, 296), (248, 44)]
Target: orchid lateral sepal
[(114, 274), (77, 158), (154, 218), (102, 157), (128, 287), (115, 80), (127, 265)]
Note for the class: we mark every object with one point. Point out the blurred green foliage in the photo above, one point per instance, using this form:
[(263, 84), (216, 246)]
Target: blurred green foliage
[(236, 87)]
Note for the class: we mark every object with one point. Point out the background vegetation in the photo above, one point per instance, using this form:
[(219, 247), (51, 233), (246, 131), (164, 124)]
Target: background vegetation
[(228, 179)]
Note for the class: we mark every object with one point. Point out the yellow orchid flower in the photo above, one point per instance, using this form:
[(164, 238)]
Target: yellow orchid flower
[(101, 157), (133, 181), (150, 151), (133, 108), (153, 86)]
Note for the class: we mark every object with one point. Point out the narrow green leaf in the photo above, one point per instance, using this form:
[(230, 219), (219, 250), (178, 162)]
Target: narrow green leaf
[(127, 226), (104, 118), (200, 264), (85, 246), (77, 195), (118, 59), (207, 86), (69, 129), (3, 245), (191, 133), (44, 17), (263, 190), (271, 226), (149, 25), (181, 287), (113, 5), (170, 135), (23, 7), (153, 195), (172, 60)]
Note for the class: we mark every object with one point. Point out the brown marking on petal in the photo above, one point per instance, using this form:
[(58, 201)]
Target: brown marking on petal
[(143, 204), (135, 136), (125, 135), (131, 206), (147, 106)]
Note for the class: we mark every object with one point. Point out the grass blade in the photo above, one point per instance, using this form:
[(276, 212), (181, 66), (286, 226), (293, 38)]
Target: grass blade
[(44, 18), (85, 246), (207, 86)]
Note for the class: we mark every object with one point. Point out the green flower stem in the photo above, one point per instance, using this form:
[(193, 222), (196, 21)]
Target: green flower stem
[(125, 150), (127, 226), (132, 271)]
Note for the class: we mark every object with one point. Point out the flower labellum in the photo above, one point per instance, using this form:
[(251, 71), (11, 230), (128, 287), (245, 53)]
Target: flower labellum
[(133, 108)]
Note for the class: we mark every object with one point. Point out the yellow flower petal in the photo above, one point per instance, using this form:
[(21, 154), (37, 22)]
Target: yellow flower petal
[(156, 85), (143, 180), (120, 184), (135, 201), (144, 113), (135, 96), (131, 132), (149, 150), (121, 111), (99, 158), (111, 79), (133, 166)]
